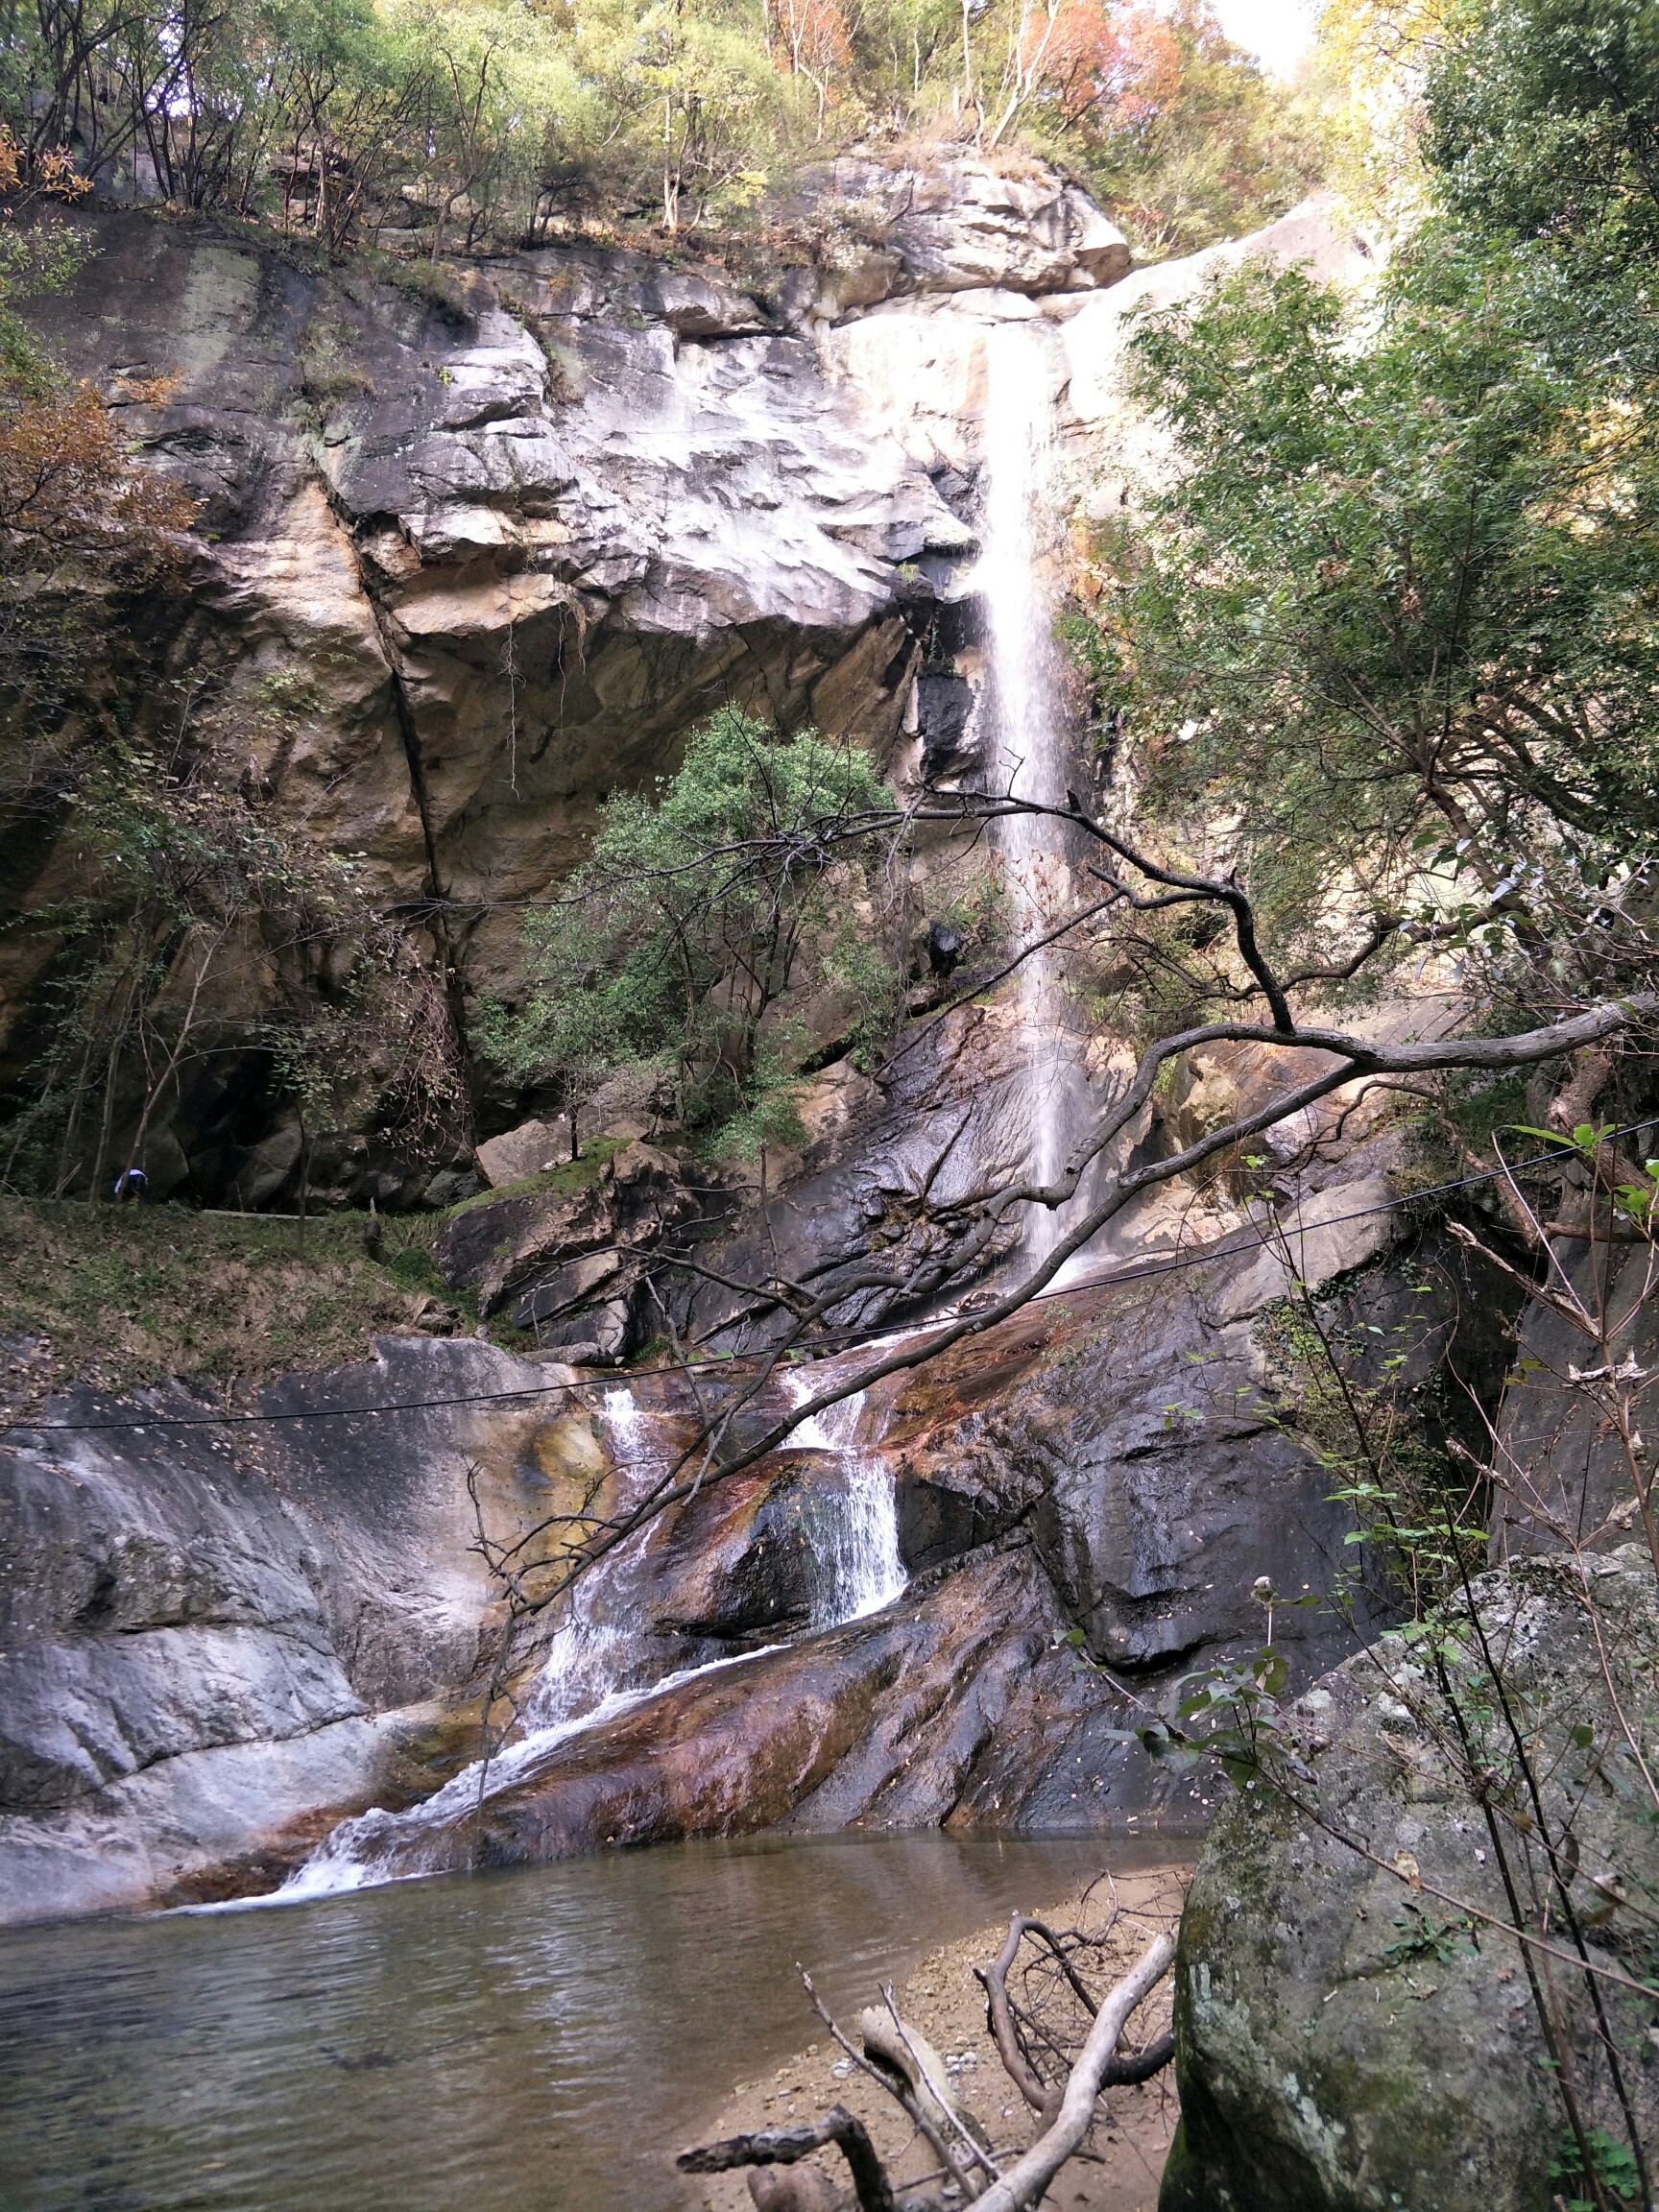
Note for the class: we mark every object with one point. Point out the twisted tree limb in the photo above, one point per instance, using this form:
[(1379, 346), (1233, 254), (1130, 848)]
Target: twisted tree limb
[(1044, 2098), (1023, 2182), (785, 2146)]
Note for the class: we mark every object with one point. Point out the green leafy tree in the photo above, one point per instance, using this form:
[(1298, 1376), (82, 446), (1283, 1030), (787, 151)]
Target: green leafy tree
[(1397, 614), (746, 877), (1543, 121)]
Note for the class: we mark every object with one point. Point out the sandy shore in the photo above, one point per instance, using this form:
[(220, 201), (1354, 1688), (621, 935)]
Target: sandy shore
[(1125, 2150)]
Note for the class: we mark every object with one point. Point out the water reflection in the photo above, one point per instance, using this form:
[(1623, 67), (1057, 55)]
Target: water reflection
[(536, 2041)]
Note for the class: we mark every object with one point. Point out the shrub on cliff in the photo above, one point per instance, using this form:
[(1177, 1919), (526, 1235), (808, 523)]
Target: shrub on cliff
[(705, 914), (76, 509)]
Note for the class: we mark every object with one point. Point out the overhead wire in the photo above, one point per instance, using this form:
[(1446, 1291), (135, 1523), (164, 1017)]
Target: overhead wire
[(1135, 1272)]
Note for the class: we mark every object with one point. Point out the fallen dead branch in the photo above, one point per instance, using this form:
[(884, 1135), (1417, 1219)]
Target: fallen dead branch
[(784, 2146), (913, 2073), (1034, 2035), (1015, 2030), (1026, 2179)]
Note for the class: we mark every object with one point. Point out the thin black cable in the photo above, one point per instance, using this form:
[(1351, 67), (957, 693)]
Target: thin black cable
[(1137, 1271)]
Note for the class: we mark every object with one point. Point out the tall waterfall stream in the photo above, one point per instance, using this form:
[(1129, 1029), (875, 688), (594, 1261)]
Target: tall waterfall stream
[(1032, 743)]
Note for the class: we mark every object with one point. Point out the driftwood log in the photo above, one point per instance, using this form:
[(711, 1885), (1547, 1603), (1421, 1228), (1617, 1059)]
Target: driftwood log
[(784, 2146), (912, 2073), (1029, 2175)]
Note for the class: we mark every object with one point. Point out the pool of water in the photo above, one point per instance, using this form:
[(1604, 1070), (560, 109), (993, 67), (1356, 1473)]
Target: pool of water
[(542, 2040)]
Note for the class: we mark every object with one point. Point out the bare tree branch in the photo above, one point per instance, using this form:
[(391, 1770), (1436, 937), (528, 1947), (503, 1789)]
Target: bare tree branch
[(1026, 2179), (785, 2146)]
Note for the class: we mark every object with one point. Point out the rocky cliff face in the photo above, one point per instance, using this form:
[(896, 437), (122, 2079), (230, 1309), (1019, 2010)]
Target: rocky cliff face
[(1352, 2029), (469, 557), (474, 552), (210, 1632)]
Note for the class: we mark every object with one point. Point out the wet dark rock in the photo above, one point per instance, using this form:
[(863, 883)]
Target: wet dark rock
[(215, 1638), (955, 1098), (744, 1561), (1347, 2042), (941, 1516), (1144, 1427), (943, 947), (947, 1708), (944, 705)]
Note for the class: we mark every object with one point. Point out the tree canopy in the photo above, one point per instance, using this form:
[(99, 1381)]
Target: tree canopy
[(744, 876), (1394, 616), (497, 121)]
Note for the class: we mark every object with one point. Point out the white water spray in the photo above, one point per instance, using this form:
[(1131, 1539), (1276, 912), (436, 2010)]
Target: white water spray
[(861, 1570), (592, 1674), (1032, 737), (590, 1657)]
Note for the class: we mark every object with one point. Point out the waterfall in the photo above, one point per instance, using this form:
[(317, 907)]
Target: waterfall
[(588, 1659), (858, 1549), (592, 1674), (1031, 740)]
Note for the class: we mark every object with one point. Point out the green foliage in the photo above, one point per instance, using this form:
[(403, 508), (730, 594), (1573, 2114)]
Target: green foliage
[(1399, 609), (1636, 1200), (1476, 1108), (189, 885), (1613, 2166), (40, 259), (561, 1181), (1223, 151), (1543, 121), (1345, 1399), (1232, 1714), (496, 122), (744, 877), (1422, 1938)]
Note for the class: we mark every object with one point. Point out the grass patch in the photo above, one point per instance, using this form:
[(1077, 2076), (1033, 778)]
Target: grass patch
[(129, 1295), (561, 1181)]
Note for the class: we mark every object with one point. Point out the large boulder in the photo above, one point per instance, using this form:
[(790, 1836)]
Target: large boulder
[(1355, 2034), (558, 1248), (965, 223)]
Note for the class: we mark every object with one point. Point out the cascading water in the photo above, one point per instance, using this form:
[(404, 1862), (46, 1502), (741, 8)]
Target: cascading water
[(589, 1658), (1031, 738), (862, 1570), (596, 1669)]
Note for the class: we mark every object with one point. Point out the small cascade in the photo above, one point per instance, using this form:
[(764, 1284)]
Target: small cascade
[(1032, 740), (859, 1549), (598, 1667), (591, 1656)]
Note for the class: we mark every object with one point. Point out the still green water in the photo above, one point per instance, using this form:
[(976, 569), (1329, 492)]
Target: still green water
[(537, 2041)]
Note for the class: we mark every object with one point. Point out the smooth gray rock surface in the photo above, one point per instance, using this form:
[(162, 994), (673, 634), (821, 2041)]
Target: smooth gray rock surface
[(202, 1629), (1347, 2042)]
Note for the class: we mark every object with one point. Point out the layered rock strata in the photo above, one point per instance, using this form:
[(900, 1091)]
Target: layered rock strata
[(475, 549)]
